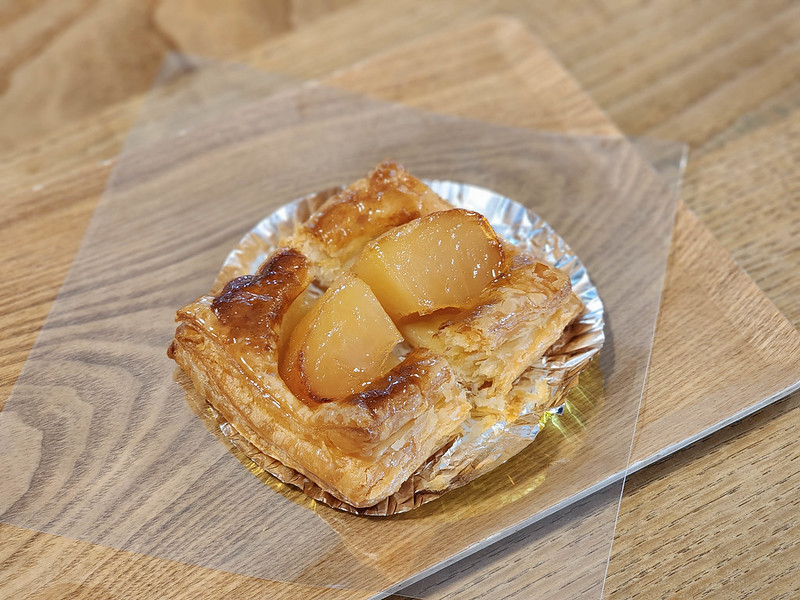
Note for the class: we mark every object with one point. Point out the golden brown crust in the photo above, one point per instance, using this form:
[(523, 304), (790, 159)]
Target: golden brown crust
[(251, 307)]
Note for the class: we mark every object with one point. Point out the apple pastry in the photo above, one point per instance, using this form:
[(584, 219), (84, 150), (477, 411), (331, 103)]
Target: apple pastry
[(369, 340)]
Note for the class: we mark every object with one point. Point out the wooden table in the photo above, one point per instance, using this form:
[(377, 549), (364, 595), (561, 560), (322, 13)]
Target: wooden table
[(721, 77)]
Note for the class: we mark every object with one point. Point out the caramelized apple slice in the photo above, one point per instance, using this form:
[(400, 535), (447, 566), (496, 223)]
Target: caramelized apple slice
[(442, 260), (420, 331), (343, 342), (297, 309)]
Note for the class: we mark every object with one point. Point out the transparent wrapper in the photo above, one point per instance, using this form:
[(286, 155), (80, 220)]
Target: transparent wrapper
[(116, 456), (487, 440)]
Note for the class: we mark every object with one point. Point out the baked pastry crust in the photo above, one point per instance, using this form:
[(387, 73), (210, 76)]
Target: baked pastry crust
[(362, 448)]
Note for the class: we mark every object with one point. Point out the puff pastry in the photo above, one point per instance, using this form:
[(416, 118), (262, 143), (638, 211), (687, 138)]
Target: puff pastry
[(362, 447)]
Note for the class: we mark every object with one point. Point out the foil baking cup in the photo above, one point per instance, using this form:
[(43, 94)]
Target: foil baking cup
[(486, 439)]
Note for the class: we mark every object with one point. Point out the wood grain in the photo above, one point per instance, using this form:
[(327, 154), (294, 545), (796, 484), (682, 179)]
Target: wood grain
[(505, 58), (437, 531), (756, 174), (108, 332), (617, 51), (672, 26), (72, 58), (718, 520)]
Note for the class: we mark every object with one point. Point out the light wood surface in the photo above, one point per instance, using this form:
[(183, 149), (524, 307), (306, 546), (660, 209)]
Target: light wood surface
[(72, 58), (731, 170)]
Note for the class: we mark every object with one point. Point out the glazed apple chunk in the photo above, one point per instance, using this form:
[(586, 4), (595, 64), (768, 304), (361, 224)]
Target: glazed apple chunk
[(343, 343), (442, 260)]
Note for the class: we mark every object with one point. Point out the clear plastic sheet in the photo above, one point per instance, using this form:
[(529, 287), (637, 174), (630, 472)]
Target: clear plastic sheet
[(114, 453)]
